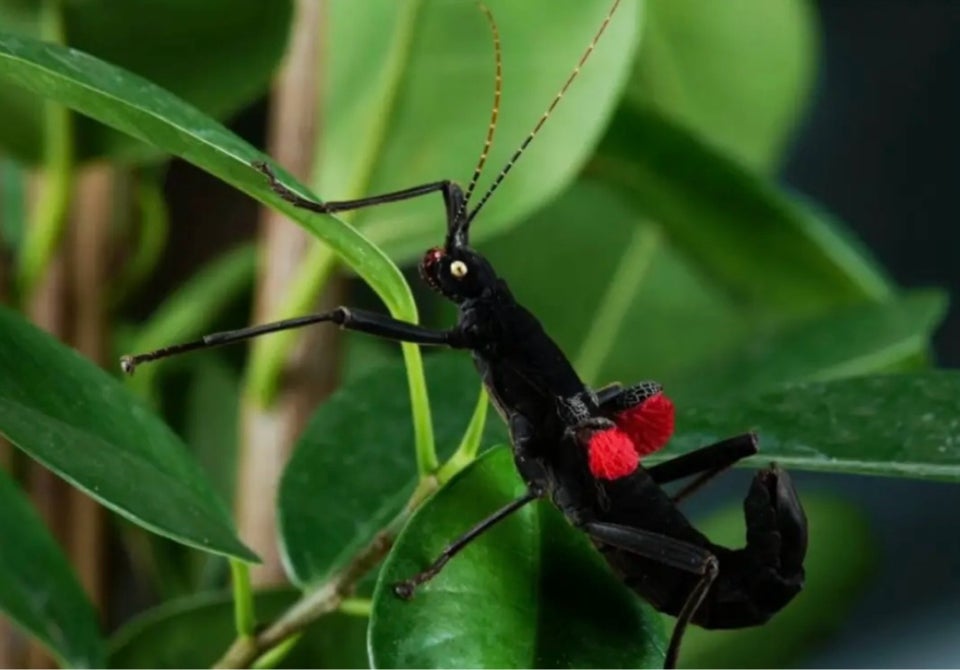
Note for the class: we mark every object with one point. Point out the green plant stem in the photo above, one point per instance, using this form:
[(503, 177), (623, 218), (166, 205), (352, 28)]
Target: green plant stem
[(243, 607), (275, 656), (615, 303), (357, 607), (470, 444), (329, 596), (269, 354), (49, 216)]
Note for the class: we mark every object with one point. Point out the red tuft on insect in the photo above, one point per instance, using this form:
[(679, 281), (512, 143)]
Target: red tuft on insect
[(612, 454), (649, 424)]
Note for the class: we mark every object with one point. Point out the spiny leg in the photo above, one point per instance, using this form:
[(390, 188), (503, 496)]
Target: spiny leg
[(671, 552), (407, 587), (347, 318)]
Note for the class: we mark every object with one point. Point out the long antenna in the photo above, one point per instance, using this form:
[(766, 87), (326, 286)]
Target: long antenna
[(543, 119), (495, 112)]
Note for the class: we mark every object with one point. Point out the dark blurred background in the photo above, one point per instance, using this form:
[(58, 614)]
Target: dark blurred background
[(879, 144), (879, 147)]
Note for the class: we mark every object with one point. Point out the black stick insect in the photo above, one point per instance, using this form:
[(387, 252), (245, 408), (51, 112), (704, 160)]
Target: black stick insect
[(579, 446)]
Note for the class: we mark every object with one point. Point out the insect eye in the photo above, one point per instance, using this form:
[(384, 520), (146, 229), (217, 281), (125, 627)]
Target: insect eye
[(458, 269)]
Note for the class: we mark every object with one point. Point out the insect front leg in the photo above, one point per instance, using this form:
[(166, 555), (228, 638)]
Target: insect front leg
[(358, 320), (453, 196), (668, 551)]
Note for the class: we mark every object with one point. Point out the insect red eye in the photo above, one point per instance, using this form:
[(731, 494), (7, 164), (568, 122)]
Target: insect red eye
[(432, 257)]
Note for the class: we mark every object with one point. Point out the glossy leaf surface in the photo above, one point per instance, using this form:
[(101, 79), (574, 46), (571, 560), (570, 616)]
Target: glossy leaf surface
[(39, 590), (530, 593), (84, 425), (905, 425), (218, 54)]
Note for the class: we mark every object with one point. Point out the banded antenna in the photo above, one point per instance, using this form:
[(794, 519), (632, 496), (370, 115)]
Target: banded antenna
[(494, 113), (543, 119)]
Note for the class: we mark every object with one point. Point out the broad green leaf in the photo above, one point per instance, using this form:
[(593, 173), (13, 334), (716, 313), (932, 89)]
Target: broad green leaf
[(904, 425), (194, 632), (84, 425), (409, 89), (840, 561), (769, 251), (38, 589), (217, 54), (530, 593), (211, 421), (866, 338), (353, 468), (737, 71)]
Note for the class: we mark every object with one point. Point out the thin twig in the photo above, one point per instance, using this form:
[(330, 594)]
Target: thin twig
[(328, 597)]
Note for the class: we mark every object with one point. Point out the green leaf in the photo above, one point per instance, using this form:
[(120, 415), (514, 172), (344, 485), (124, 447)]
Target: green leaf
[(840, 561), (866, 338), (84, 425), (737, 72), (902, 425), (674, 318), (194, 632), (353, 468), (409, 89), (532, 592), (219, 55), (38, 589), (211, 421), (768, 251)]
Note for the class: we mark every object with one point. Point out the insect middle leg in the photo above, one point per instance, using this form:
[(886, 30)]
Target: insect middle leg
[(407, 587), (357, 320), (453, 196)]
